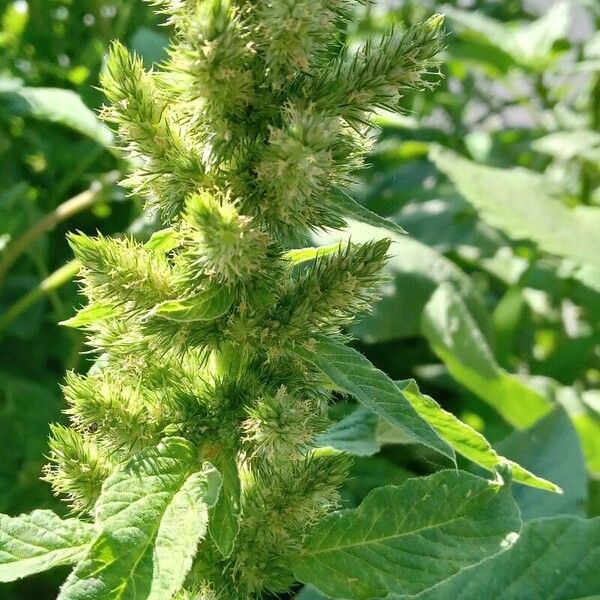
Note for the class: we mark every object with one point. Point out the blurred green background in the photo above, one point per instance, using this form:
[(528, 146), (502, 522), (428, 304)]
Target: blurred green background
[(492, 303)]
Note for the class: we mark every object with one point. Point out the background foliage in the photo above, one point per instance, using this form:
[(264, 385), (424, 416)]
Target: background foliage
[(495, 175)]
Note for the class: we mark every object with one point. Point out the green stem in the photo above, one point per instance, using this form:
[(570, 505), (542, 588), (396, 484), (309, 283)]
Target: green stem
[(61, 213), (54, 281)]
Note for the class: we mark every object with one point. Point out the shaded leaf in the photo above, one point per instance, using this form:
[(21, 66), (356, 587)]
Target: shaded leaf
[(583, 409), (529, 44), (355, 433), (550, 448), (554, 559), (350, 372), (224, 524), (354, 210), (310, 593), (363, 434), (26, 408), (150, 45)]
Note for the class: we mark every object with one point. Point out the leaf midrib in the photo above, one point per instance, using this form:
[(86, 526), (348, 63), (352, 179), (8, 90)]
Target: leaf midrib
[(389, 537), (155, 528)]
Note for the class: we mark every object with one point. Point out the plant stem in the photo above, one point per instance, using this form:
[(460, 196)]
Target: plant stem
[(55, 280), (61, 213)]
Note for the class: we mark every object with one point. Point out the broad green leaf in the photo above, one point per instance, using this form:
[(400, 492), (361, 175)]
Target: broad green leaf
[(414, 271), (355, 433), (301, 255), (163, 241), (588, 429), (39, 541), (60, 106), (455, 338), (566, 145), (550, 448), (465, 440), (534, 41), (90, 314), (362, 433), (351, 208), (584, 410), (467, 49), (529, 45), (368, 473), (517, 202), (224, 516), (553, 559), (211, 304), (408, 538), (152, 513), (350, 372)]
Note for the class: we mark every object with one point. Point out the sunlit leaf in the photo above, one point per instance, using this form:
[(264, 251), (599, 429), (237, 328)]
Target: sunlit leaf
[(408, 538), (37, 542), (456, 339), (152, 514)]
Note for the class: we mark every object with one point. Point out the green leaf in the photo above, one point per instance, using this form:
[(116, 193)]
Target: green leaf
[(224, 516), (152, 513), (368, 473), (465, 440), (529, 45), (553, 559), (354, 210), (550, 448), (211, 304), (455, 338), (91, 314), (37, 542), (583, 407), (355, 433), (350, 372), (408, 538), (414, 271), (163, 241), (566, 145), (301, 255), (363, 434), (60, 106), (498, 195)]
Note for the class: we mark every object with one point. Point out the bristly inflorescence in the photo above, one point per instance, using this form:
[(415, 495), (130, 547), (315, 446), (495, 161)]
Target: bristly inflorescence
[(240, 142)]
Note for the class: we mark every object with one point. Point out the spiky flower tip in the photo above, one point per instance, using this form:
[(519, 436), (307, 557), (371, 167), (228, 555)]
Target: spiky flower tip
[(242, 140)]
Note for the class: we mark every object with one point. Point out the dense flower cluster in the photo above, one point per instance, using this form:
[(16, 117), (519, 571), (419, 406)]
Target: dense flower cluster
[(242, 140)]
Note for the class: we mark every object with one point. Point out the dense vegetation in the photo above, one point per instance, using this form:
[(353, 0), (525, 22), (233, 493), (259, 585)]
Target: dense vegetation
[(223, 399)]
